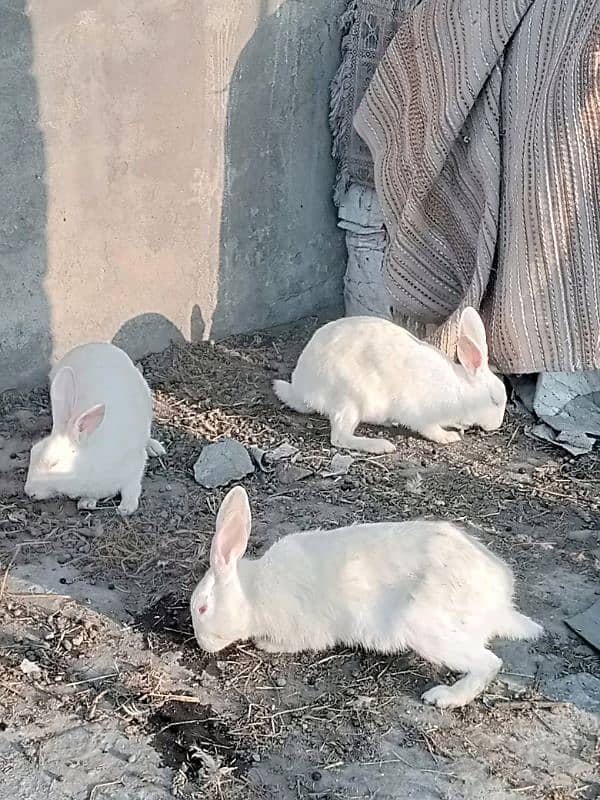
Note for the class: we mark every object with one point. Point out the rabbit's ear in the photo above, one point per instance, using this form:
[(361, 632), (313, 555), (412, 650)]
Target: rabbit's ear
[(234, 521), (62, 397), (472, 344), (86, 423)]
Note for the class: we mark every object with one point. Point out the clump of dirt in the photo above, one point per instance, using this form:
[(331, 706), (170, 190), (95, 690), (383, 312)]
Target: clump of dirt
[(195, 742), (168, 619)]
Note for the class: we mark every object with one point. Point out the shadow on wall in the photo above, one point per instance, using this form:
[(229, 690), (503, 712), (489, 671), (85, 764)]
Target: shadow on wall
[(147, 333), (25, 326), (151, 333), (282, 256)]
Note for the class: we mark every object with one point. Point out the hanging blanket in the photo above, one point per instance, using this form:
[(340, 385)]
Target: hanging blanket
[(367, 27), (483, 119)]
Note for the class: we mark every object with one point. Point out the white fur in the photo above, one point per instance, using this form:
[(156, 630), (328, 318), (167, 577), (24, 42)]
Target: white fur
[(389, 586), (365, 369), (100, 439)]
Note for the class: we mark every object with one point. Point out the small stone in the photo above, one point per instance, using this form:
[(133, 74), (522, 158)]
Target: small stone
[(111, 586), (583, 535), (67, 645), (131, 758), (284, 450), (316, 776), (281, 682), (256, 758), (77, 640), (340, 464), (581, 689), (290, 473), (222, 463), (29, 667)]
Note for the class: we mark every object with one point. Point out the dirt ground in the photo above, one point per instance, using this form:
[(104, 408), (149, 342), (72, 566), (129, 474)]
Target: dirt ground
[(104, 693)]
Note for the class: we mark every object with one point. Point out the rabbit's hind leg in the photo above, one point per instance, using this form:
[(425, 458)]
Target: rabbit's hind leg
[(343, 424), (479, 665)]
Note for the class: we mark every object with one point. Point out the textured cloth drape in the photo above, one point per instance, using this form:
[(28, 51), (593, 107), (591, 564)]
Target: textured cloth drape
[(483, 120)]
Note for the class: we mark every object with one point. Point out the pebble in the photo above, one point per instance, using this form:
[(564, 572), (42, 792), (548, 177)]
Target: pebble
[(222, 463), (316, 776), (582, 535), (281, 682)]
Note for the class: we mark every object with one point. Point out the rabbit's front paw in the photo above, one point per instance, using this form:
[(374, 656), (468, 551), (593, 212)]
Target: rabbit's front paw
[(435, 433), (442, 697), (130, 498), (125, 509), (381, 446)]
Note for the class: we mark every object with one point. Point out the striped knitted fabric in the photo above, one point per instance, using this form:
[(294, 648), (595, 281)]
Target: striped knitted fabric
[(483, 119)]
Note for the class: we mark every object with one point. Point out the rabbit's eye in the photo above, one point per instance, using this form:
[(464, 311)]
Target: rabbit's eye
[(202, 610)]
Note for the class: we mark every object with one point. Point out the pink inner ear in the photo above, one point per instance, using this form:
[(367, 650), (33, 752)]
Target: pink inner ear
[(90, 420), (230, 541), (468, 352), (476, 359), (202, 610)]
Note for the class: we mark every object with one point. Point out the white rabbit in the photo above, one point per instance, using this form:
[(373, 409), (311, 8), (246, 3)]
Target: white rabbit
[(101, 418), (366, 369), (389, 586)]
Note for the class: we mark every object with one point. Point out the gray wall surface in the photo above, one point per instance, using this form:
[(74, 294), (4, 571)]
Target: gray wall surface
[(165, 172)]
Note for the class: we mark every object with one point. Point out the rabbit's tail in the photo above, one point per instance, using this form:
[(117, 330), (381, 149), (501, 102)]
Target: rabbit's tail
[(285, 392), (514, 625)]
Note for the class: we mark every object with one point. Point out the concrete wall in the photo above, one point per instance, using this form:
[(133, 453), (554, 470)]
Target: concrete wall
[(164, 172)]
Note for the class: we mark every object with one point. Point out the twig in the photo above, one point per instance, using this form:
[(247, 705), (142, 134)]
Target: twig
[(400, 760), (539, 717), (39, 594), (91, 680), (99, 786), (12, 561), (174, 724), (514, 436), (94, 705), (179, 698)]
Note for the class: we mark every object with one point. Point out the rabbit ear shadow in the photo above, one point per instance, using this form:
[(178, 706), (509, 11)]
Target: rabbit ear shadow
[(147, 333)]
